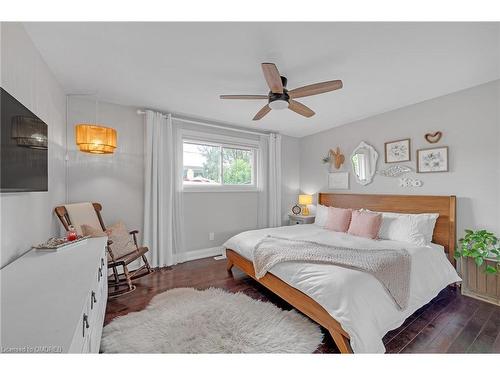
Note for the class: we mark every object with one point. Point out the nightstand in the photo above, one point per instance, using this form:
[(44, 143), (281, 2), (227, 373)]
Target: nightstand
[(300, 219)]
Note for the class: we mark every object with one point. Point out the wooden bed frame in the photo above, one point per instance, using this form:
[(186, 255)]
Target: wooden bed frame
[(444, 234)]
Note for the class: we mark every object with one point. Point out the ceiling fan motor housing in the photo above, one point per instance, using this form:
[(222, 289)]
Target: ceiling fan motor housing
[(277, 100)]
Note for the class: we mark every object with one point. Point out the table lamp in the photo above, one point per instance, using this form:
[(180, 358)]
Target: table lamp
[(304, 200)]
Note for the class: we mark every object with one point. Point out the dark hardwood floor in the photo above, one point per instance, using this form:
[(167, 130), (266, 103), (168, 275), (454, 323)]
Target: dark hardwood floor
[(450, 323)]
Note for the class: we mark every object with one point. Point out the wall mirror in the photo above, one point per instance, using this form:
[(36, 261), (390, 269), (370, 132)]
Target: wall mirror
[(364, 163)]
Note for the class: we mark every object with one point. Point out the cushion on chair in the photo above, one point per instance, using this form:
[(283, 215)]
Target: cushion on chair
[(82, 214), (87, 230), (123, 243)]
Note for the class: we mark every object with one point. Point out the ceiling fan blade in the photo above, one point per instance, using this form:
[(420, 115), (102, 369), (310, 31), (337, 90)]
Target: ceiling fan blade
[(300, 108), (264, 111), (315, 89), (244, 97), (272, 77)]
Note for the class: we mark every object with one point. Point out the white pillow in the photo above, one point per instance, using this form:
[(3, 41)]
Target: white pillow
[(416, 229), (321, 215)]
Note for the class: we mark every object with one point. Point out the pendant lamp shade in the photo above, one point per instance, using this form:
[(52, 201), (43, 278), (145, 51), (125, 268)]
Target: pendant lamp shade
[(95, 139)]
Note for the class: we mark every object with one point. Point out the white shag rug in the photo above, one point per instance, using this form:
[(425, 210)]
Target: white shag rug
[(186, 320)]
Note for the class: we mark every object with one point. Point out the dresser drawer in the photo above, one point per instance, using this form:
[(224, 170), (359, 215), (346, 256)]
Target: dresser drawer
[(87, 336), (82, 328)]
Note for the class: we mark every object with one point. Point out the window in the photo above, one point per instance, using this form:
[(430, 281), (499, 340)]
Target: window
[(218, 166)]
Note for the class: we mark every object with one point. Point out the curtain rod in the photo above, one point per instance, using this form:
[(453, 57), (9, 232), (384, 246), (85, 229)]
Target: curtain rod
[(198, 122)]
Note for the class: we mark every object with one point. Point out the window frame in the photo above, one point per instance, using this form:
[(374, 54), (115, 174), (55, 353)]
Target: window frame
[(221, 141)]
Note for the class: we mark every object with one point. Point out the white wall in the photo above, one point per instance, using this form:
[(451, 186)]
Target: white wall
[(470, 124), (117, 180), (27, 218)]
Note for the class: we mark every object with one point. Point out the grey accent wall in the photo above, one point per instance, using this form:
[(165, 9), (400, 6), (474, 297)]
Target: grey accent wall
[(27, 218), (469, 120)]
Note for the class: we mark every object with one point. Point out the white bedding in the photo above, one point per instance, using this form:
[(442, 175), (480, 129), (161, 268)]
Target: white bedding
[(354, 298)]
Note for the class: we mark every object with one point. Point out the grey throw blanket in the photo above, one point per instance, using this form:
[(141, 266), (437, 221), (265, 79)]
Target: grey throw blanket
[(389, 266)]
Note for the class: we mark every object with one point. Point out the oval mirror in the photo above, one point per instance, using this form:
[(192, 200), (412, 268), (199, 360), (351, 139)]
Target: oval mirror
[(364, 163)]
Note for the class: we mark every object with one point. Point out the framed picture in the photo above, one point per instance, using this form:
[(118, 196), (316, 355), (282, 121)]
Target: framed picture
[(397, 151), (432, 159), (338, 180)]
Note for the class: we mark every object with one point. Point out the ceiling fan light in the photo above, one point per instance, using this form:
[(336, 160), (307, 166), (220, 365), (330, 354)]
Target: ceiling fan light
[(278, 104)]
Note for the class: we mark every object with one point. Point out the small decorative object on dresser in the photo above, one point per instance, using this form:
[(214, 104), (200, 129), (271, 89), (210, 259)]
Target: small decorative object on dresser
[(56, 243), (432, 159), (304, 200), (338, 180), (480, 265), (397, 151), (300, 219)]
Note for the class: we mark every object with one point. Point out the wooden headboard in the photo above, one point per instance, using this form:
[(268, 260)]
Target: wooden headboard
[(444, 231)]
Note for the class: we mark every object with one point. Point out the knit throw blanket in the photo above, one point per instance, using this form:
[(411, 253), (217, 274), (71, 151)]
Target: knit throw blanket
[(389, 266)]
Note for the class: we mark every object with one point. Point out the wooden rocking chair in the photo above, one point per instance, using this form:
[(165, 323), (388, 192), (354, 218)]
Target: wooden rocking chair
[(118, 283)]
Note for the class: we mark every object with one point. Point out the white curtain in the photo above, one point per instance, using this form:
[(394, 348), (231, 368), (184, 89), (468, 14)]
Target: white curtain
[(274, 195), (270, 184), (162, 190)]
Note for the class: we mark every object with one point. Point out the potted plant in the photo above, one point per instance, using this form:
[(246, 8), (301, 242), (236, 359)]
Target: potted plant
[(480, 253), (480, 245)]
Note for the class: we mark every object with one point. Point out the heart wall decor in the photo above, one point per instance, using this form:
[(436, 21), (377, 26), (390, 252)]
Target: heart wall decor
[(433, 137)]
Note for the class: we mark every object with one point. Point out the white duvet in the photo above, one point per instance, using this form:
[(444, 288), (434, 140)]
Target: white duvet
[(356, 299)]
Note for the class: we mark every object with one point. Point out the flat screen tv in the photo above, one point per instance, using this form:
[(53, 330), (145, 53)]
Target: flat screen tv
[(23, 148)]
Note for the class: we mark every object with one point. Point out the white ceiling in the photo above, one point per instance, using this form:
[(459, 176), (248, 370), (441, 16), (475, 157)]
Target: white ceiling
[(184, 67)]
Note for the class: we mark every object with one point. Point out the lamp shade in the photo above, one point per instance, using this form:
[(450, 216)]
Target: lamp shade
[(305, 199), (95, 139)]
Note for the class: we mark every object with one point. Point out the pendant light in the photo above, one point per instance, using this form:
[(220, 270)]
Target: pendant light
[(95, 138)]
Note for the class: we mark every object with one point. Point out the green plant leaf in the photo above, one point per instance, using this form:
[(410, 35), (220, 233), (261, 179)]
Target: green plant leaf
[(491, 270), (479, 245)]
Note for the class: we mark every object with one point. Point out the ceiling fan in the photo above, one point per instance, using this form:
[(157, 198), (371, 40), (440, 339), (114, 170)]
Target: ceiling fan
[(280, 97)]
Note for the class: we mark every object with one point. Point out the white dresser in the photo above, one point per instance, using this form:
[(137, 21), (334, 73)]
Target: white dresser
[(55, 301)]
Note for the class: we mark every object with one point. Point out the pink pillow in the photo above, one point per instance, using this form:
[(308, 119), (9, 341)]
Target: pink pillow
[(365, 224), (338, 219)]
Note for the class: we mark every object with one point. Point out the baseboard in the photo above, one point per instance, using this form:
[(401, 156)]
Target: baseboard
[(198, 254)]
